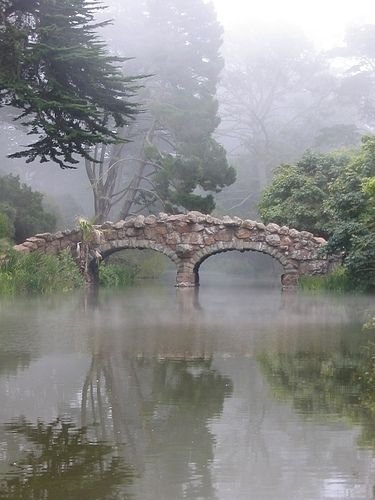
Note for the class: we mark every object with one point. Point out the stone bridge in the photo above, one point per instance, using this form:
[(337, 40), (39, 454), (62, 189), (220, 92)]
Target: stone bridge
[(188, 240)]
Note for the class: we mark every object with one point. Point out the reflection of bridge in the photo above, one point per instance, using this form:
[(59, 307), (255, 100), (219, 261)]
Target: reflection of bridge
[(188, 240)]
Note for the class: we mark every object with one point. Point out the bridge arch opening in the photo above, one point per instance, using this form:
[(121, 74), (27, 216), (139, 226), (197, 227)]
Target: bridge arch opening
[(239, 266), (142, 261)]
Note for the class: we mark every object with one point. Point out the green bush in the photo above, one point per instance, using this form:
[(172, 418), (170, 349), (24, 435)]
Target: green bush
[(38, 273)]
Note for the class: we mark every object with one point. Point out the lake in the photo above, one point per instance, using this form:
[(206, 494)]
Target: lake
[(229, 392)]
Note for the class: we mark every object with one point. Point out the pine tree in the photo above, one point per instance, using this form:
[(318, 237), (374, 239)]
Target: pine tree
[(55, 68)]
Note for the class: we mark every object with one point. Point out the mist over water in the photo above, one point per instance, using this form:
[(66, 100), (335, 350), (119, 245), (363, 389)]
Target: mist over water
[(229, 391)]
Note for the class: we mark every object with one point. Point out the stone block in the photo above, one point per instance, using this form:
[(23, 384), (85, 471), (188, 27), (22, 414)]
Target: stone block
[(139, 221), (132, 231), (161, 229), (224, 235), (273, 228), (173, 238), (209, 239), (273, 239), (150, 220), (183, 249), (244, 233), (182, 227), (45, 236), (293, 233), (249, 224), (306, 235), (107, 225)]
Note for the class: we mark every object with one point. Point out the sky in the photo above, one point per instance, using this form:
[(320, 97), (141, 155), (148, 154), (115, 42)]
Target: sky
[(323, 21)]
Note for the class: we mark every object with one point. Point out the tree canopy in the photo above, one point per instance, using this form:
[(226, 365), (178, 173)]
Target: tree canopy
[(56, 70), (21, 210), (174, 161), (331, 194)]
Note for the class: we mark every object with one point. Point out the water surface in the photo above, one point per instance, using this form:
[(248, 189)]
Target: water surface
[(232, 393)]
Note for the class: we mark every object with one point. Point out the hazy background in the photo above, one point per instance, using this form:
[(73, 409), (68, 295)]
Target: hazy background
[(295, 76)]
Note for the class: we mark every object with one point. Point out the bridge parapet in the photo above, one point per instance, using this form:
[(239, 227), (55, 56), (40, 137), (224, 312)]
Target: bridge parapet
[(189, 239)]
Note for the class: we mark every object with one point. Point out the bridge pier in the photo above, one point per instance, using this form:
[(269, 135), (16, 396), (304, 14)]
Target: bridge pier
[(289, 281), (187, 279)]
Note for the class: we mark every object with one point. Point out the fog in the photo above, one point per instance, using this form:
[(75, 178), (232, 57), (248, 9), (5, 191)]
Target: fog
[(278, 88), (220, 391), (323, 22), (222, 85)]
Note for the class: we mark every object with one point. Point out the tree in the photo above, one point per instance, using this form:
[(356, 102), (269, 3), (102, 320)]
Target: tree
[(357, 58), (351, 208), (58, 453), (277, 94), (173, 159), (331, 195), (21, 210), (55, 69), (337, 384), (298, 192)]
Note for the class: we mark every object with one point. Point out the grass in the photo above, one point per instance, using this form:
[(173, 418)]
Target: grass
[(116, 275), (22, 273), (337, 281)]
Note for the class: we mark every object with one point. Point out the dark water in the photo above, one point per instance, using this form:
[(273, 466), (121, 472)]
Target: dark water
[(155, 393)]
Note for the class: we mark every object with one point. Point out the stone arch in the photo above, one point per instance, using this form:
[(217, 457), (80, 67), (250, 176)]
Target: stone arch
[(288, 278)]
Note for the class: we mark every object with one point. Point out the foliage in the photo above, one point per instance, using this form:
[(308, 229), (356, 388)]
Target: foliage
[(122, 269), (87, 229), (56, 70), (38, 273), (351, 209), (298, 192), (331, 195), (178, 178), (21, 210), (173, 162), (6, 227), (116, 275), (277, 99), (328, 383), (58, 453)]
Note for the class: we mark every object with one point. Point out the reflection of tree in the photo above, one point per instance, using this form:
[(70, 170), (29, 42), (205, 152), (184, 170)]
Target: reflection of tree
[(187, 394), (340, 383), (12, 362), (158, 407), (62, 463)]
